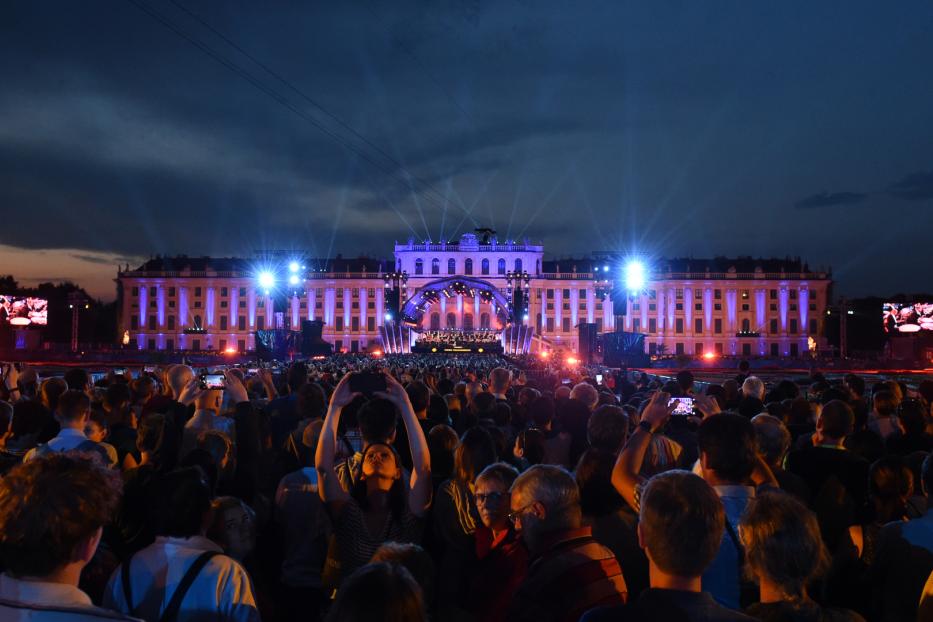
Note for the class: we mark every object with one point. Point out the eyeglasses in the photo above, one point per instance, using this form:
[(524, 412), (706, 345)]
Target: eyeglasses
[(490, 498), (514, 516)]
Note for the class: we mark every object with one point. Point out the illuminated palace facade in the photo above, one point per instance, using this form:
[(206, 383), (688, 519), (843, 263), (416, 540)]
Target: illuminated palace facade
[(203, 303)]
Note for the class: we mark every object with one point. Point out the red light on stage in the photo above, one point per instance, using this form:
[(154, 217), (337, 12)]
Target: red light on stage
[(709, 356), (377, 354), (230, 350), (572, 361), (545, 354)]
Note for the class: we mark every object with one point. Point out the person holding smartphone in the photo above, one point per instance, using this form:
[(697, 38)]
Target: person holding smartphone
[(380, 506)]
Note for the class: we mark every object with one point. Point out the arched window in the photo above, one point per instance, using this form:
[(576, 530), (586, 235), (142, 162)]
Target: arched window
[(451, 266), (518, 265), (435, 266), (451, 320), (502, 266), (468, 266), (419, 266), (746, 326), (484, 320), (467, 321), (485, 266), (435, 321)]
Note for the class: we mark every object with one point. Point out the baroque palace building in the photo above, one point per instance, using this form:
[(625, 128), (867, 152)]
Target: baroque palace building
[(727, 306)]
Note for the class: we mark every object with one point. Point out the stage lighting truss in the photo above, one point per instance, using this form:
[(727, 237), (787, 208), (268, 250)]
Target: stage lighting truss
[(518, 281)]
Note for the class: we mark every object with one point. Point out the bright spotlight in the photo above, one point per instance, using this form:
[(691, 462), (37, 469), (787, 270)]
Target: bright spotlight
[(545, 354), (293, 280), (526, 317), (266, 280), (230, 350), (572, 360), (388, 317), (709, 356), (635, 276), (294, 266)]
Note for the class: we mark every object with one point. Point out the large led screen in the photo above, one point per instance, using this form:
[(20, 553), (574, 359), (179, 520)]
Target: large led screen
[(23, 311), (908, 317)]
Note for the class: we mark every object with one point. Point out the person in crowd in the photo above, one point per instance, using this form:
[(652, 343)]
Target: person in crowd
[(182, 573), (415, 560), (52, 514), (122, 421), (785, 552), (380, 506), (23, 433), (500, 379), (773, 443), (97, 429), (304, 529), (903, 561), (233, 527), (556, 442), (530, 448), (207, 416), (912, 417), (502, 557), (378, 422), (729, 462), (837, 478), (72, 411), (455, 516), (681, 527), (882, 420), (569, 572), (604, 510), (380, 591)]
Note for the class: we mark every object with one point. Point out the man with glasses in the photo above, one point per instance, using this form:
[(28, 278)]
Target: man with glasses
[(569, 571)]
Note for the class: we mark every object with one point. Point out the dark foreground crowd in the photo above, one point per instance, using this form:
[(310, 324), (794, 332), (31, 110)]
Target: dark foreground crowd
[(460, 489)]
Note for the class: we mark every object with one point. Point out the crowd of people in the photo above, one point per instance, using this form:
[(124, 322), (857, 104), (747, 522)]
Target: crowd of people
[(422, 487)]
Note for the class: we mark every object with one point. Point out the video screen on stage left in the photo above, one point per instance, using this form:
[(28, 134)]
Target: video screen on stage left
[(23, 311), (908, 317)]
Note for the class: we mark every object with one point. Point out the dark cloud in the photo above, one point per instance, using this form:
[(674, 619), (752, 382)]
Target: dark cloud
[(913, 187), (825, 199)]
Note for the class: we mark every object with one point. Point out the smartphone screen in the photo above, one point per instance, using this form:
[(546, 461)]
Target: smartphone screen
[(149, 369), (120, 371), (212, 381), (599, 378), (565, 381), (684, 405)]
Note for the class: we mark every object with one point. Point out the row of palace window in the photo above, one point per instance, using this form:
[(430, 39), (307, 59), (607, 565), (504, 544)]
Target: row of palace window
[(746, 326), (699, 349), (241, 345), (717, 306), (467, 266), (717, 294)]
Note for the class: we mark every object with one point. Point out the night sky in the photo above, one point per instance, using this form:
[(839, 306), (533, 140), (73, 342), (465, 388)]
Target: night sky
[(664, 128)]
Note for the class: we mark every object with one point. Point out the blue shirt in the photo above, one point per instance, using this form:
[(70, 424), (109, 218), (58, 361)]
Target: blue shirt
[(722, 577)]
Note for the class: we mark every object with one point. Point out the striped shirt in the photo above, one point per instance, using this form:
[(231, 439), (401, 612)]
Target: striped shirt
[(573, 574)]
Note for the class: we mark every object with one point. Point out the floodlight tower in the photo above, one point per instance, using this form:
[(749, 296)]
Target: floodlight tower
[(76, 302)]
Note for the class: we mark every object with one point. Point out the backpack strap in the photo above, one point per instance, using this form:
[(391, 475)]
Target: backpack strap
[(174, 605), (127, 587), (748, 591)]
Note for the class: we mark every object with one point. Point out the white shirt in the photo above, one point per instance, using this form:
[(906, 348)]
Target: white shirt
[(222, 590), (66, 440), (201, 421), (41, 601)]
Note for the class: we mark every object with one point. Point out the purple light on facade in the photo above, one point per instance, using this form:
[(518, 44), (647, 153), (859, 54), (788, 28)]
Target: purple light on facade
[(688, 307), (708, 306), (251, 304), (782, 306), (183, 306), (346, 308), (143, 305), (295, 312), (210, 306), (804, 307), (730, 311), (160, 305), (234, 306), (670, 310), (760, 312)]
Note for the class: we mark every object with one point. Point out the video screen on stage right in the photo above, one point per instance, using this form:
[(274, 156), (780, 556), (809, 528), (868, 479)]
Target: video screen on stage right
[(907, 317)]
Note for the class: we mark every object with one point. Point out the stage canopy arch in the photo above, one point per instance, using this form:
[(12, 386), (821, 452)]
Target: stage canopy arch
[(415, 307)]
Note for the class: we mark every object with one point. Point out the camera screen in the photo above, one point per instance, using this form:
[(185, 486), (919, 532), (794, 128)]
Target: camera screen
[(684, 405), (212, 381)]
